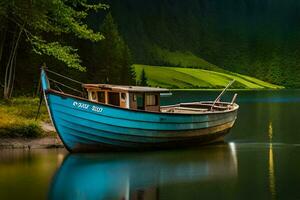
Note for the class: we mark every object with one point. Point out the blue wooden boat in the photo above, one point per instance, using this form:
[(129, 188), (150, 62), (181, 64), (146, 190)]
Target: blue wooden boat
[(114, 117)]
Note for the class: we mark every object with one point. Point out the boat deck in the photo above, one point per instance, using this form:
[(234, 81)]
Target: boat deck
[(197, 107)]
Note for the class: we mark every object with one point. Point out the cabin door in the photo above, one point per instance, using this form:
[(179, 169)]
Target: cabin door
[(114, 98), (140, 102)]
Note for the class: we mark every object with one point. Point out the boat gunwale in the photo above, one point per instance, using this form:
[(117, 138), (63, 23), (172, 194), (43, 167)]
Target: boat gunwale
[(235, 106)]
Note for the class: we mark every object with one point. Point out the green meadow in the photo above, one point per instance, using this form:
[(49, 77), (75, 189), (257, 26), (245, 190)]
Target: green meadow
[(184, 59), (192, 78), (17, 118)]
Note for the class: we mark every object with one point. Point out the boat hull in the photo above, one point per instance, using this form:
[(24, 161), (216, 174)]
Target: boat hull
[(86, 126)]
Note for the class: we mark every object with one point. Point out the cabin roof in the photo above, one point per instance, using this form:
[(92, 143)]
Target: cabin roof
[(125, 88)]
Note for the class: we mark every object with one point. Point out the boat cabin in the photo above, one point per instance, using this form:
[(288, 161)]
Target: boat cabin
[(131, 97)]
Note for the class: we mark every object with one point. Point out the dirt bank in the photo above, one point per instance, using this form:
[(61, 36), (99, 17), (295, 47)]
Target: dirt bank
[(25, 143)]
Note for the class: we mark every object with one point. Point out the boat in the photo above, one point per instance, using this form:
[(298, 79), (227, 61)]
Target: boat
[(117, 118)]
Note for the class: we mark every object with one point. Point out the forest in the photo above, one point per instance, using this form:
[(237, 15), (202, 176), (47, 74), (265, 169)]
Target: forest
[(56, 34), (252, 37), (98, 41)]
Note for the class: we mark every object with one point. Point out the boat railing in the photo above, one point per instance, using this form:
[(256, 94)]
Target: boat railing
[(57, 84)]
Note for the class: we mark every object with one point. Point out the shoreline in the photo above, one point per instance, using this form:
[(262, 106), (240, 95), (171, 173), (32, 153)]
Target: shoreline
[(49, 141), (31, 143)]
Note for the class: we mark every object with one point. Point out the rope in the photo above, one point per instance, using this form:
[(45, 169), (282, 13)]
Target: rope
[(66, 86), (75, 81)]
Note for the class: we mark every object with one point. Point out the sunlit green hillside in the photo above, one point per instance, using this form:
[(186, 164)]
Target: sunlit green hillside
[(189, 78), (183, 59)]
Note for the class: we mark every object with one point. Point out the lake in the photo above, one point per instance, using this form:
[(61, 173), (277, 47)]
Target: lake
[(259, 160)]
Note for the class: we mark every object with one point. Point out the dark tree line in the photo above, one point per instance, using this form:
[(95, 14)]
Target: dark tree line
[(254, 37), (57, 33), (110, 60)]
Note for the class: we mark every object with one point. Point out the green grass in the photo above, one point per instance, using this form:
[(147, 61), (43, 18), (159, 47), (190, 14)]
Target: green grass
[(189, 78), (184, 59), (17, 118), (216, 77)]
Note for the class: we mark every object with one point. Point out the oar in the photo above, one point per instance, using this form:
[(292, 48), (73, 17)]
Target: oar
[(221, 94)]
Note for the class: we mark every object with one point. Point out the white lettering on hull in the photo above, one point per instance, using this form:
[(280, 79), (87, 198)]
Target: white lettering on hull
[(86, 107)]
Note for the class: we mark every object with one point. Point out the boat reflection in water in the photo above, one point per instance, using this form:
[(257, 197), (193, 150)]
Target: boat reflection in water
[(141, 175)]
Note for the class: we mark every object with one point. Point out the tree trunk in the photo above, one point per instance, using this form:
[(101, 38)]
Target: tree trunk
[(2, 42), (7, 69), (10, 67), (14, 64)]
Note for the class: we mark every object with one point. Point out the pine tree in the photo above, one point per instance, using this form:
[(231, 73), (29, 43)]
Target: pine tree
[(143, 79), (113, 57)]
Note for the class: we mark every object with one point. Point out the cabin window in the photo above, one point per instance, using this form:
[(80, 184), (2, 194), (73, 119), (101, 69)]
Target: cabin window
[(93, 96), (123, 96), (101, 97), (114, 98), (151, 100), (134, 97)]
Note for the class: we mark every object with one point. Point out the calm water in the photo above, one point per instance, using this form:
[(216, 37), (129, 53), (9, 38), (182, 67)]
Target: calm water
[(260, 160)]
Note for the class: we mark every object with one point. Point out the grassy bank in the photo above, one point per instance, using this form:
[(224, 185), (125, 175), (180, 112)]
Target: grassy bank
[(184, 59), (188, 78), (17, 118)]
